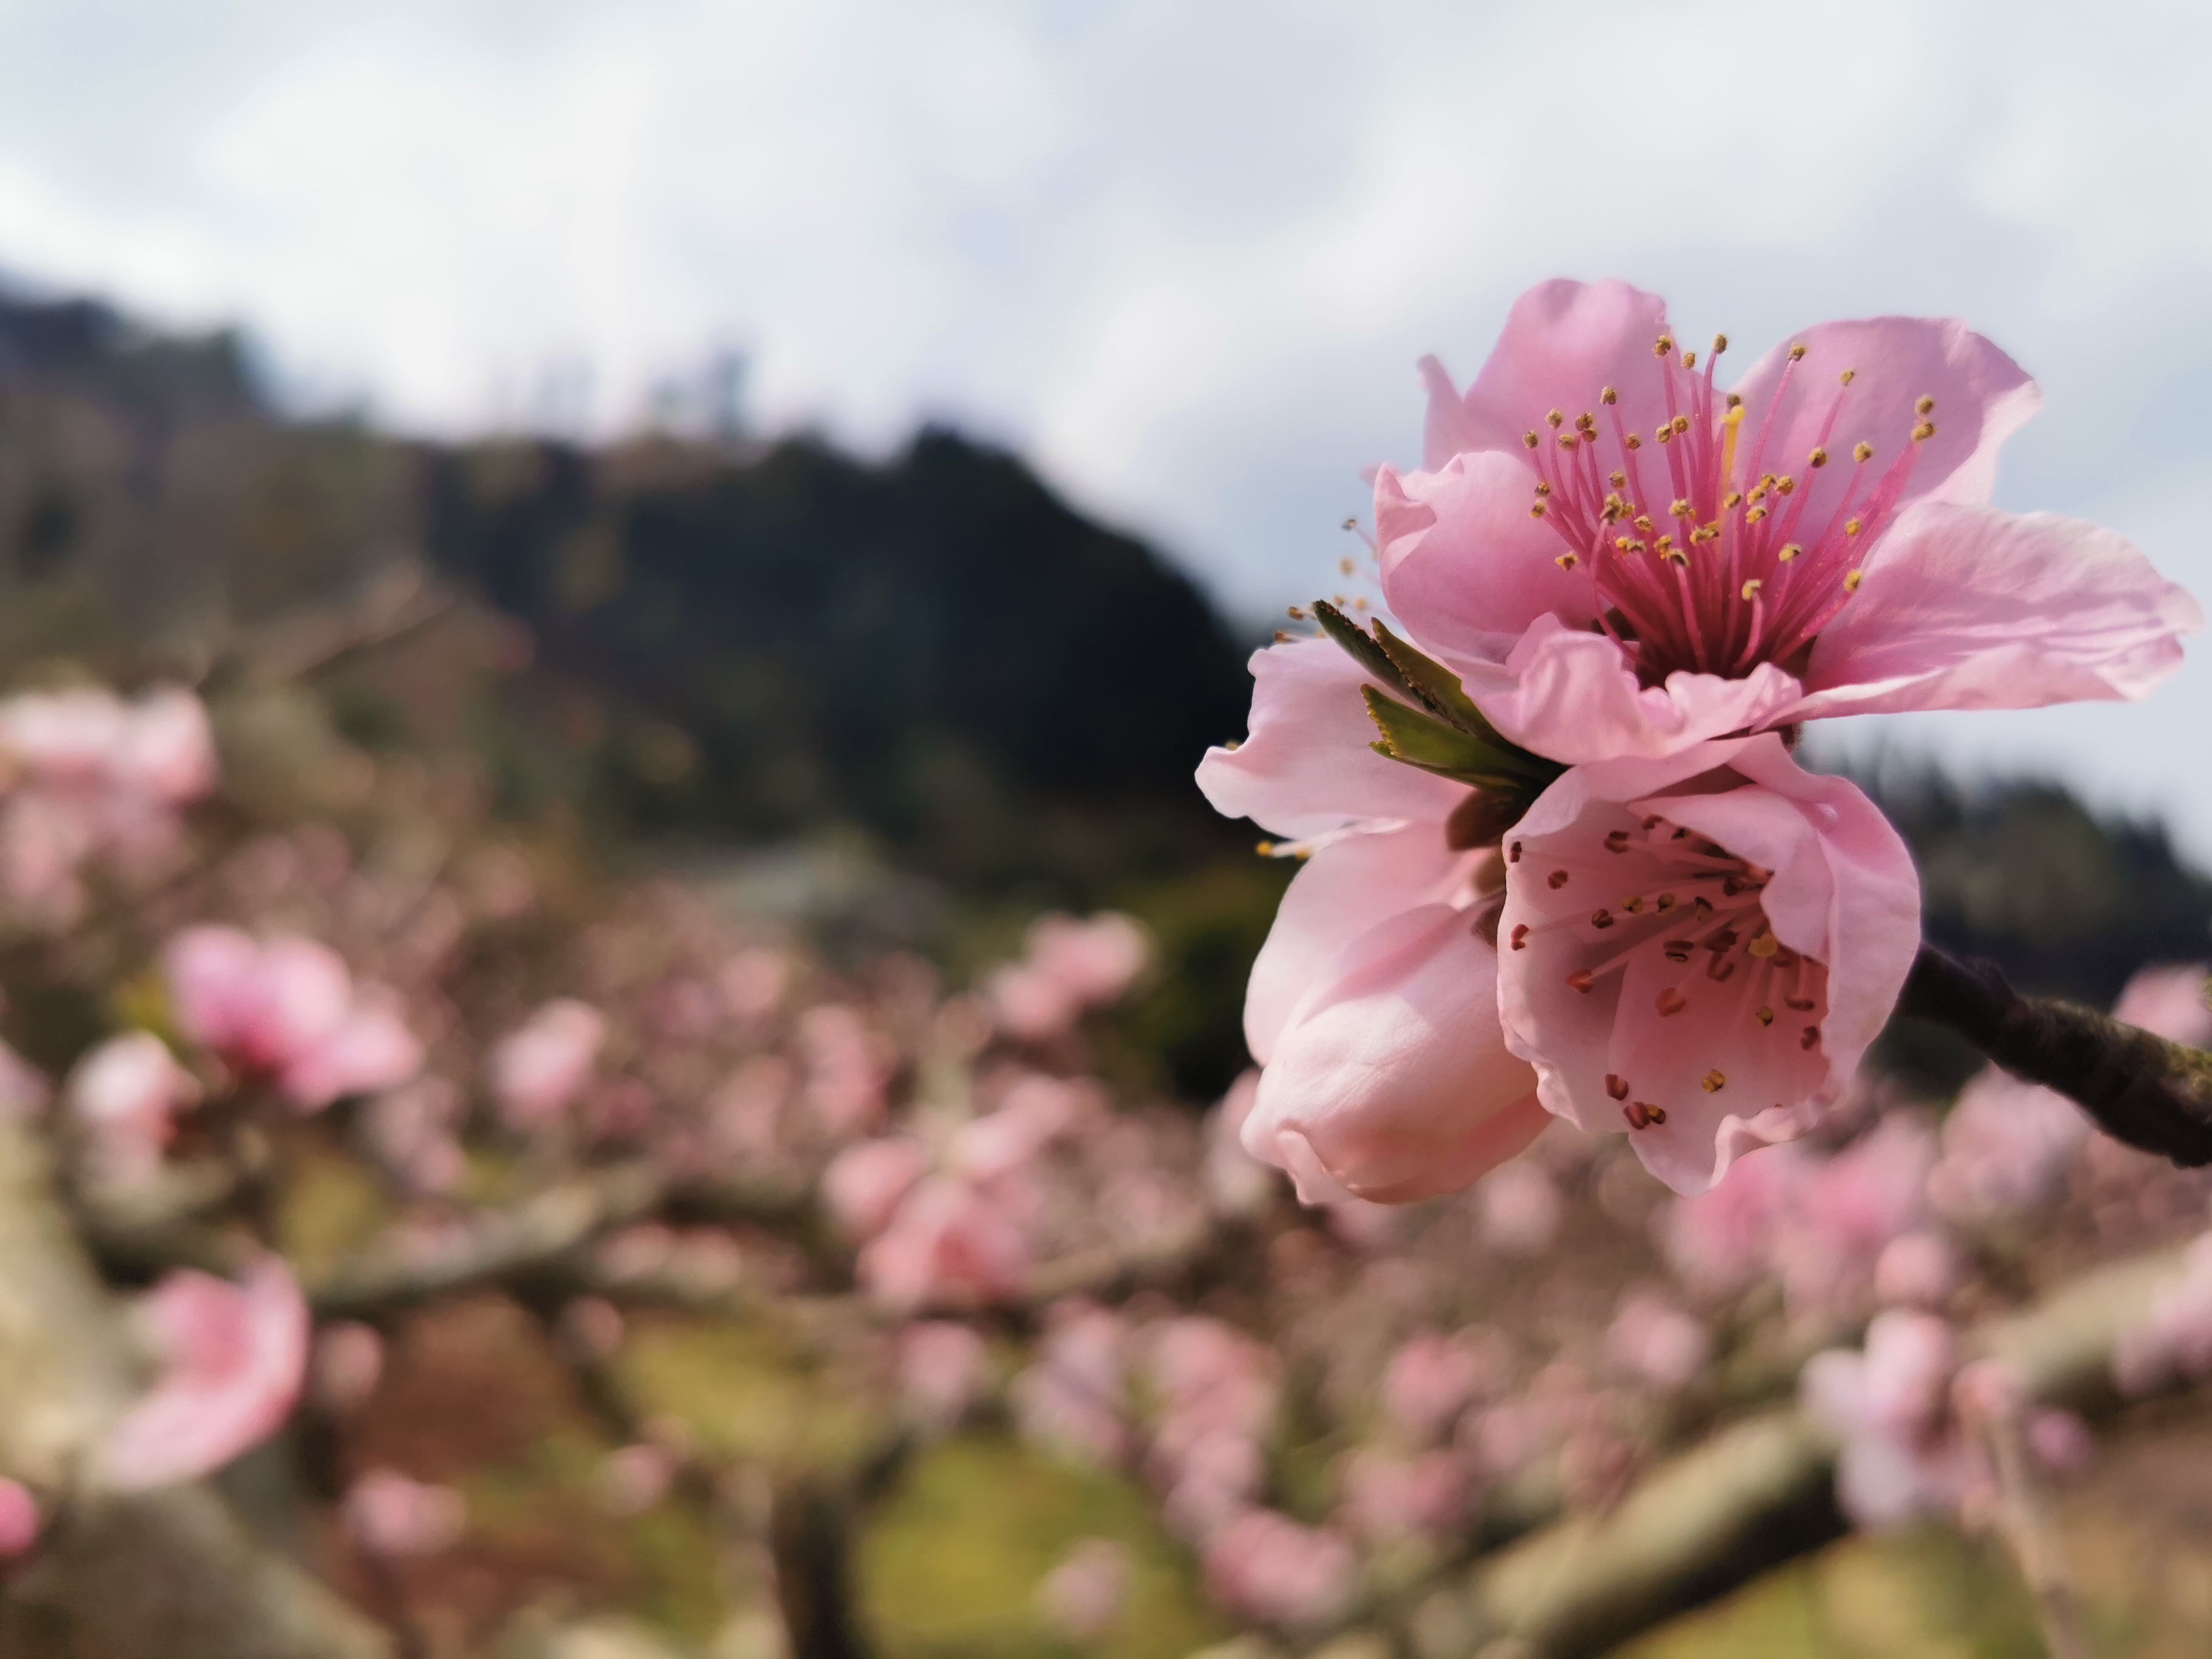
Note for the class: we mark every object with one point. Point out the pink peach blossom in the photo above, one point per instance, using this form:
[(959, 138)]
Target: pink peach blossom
[(1073, 1399), (634, 1478), (1617, 559), (948, 1245), (944, 1368), (1698, 950), (1084, 1596), (538, 1071), (1654, 1341), (1068, 967), (349, 1361), (1037, 1111), (847, 1066), (1918, 1269), (1428, 1383), (388, 1514), (863, 1185), (288, 1009), (1387, 1497), (1267, 1566), (2172, 1341), (19, 1519), (1899, 1455), (1372, 1007), (124, 1095), (234, 1358), (1519, 1209)]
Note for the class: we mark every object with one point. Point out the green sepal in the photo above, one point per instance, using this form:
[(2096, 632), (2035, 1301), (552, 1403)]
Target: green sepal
[(1361, 645), (1435, 685), (1419, 738)]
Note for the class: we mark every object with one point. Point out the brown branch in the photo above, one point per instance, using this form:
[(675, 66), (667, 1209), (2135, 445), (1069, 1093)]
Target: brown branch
[(2141, 1089)]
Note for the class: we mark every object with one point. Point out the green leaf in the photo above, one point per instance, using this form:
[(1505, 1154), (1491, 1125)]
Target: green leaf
[(1419, 738), (1361, 645), (1436, 685)]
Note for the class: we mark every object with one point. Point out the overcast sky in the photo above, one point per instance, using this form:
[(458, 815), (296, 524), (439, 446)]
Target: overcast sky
[(1182, 255)]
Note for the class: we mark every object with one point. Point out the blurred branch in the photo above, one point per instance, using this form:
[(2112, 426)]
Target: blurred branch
[(1755, 1494), (2141, 1089), (810, 1535), (120, 1575)]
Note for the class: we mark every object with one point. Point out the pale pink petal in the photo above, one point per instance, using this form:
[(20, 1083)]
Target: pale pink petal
[(125, 1095), (2169, 1002), (863, 1185), (388, 1514), (1084, 1594), (1341, 892), (1982, 398), (167, 750), (212, 974), (537, 1072), (1464, 567), (1393, 1069), (19, 1519), (1563, 343), (947, 1246), (1712, 1042), (234, 1358), (371, 1048), (1967, 607), (1305, 768), (306, 991)]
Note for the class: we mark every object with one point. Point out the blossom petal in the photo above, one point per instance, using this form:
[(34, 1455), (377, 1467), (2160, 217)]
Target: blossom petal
[(1464, 567), (1967, 607), (1982, 398), (1306, 768), (1392, 1072), (1563, 343), (1343, 890)]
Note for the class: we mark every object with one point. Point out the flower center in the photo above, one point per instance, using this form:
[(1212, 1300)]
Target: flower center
[(1702, 561), (1698, 906)]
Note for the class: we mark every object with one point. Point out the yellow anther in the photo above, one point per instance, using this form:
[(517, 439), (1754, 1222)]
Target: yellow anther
[(1281, 638), (1750, 590), (1623, 544), (1543, 489), (1681, 508), (1923, 431), (1586, 424), (1924, 405), (1735, 400), (1617, 480), (1298, 613), (1681, 424), (1345, 566), (1644, 523), (1537, 511), (1784, 484), (1530, 438), (1764, 946), (1733, 498), (1847, 377), (1720, 344), (1863, 452), (1662, 345), (1567, 440), (1608, 396), (1566, 561), (1853, 526), (1818, 458), (1664, 435), (1852, 581), (1796, 352), (1714, 1081), (1755, 515), (1634, 442), (1788, 552), (1689, 360)]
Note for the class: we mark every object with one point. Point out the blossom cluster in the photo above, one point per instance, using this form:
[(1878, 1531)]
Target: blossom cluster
[(1560, 857)]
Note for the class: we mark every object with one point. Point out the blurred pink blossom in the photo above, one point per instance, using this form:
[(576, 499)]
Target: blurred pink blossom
[(1918, 1269), (349, 1360), (387, 1514), (847, 1067), (863, 1185), (25, 1092), (1069, 967), (753, 983), (1084, 1596), (1386, 1495), (1654, 1342), (2173, 1342), (233, 1359), (2169, 1002), (288, 1009), (19, 1519), (591, 1329), (124, 1095), (1900, 1457), (633, 1478), (1428, 1381), (536, 1072), (1029, 1117), (1847, 1207), (1520, 1209), (944, 1368), (1073, 1398), (1266, 1567), (948, 1245), (1236, 1183)]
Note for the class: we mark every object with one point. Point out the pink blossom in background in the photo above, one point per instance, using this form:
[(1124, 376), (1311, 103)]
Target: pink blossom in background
[(348, 1362), (1618, 559), (1266, 1567), (287, 1008), (25, 1092), (1387, 1497), (863, 1185), (636, 1252), (1069, 968), (19, 1519), (1372, 1007), (1918, 1269), (590, 1329), (1236, 1183), (948, 1245), (1037, 1111), (388, 1514), (1699, 957), (1073, 1399), (754, 982), (1085, 1595), (124, 1095), (847, 1067), (166, 750), (1720, 1240), (1428, 1381), (1519, 1209), (1899, 1456), (2173, 1342), (537, 1072), (1654, 1341), (1847, 1207), (412, 1130), (633, 1479), (944, 1368), (233, 1359), (2168, 1002)]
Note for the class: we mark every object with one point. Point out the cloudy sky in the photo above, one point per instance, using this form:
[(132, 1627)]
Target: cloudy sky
[(1183, 255)]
